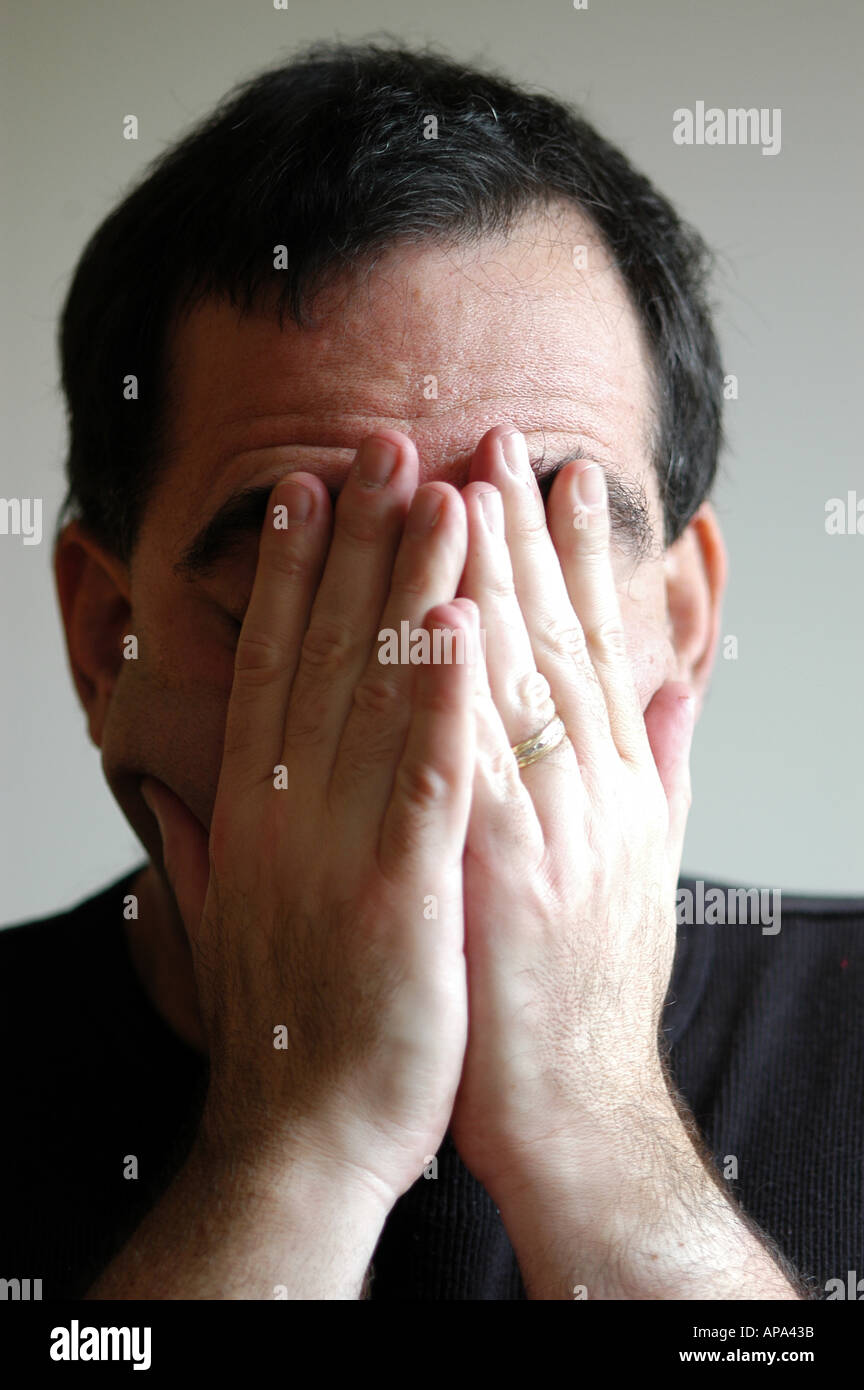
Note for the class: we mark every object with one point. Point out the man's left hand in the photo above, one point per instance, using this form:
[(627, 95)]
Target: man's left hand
[(570, 871)]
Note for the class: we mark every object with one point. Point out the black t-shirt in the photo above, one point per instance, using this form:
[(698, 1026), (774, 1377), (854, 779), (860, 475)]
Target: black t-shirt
[(766, 1030)]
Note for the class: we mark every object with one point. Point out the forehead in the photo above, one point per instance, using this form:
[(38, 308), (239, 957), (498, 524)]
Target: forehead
[(441, 342)]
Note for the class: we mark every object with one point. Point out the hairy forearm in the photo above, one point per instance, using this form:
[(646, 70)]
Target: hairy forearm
[(637, 1214), (226, 1230)]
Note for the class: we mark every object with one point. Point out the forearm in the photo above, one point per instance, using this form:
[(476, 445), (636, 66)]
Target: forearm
[(637, 1217), (232, 1231)]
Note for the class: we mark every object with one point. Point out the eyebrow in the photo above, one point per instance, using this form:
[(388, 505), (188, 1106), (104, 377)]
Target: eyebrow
[(244, 512)]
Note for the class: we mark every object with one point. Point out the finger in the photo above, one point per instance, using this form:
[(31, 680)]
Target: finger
[(424, 827), (503, 819), (291, 555), (345, 617), (557, 640), (578, 519), (521, 694), (428, 564), (669, 722)]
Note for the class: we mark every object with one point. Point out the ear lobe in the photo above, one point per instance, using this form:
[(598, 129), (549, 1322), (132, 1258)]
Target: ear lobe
[(695, 583), (92, 587)]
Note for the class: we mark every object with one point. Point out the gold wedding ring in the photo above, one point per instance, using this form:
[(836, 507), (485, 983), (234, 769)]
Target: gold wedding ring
[(535, 748)]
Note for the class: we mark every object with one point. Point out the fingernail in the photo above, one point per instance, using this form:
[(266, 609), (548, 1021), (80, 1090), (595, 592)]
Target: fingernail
[(514, 451), (493, 512), (297, 501), (425, 510), (376, 461), (591, 487), (473, 630)]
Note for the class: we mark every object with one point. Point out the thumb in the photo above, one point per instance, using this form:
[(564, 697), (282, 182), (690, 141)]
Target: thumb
[(185, 854)]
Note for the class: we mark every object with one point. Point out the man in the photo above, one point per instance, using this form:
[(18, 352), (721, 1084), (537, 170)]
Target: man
[(386, 359)]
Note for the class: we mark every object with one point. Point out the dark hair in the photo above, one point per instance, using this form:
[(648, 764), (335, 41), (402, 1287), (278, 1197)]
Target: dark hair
[(325, 155)]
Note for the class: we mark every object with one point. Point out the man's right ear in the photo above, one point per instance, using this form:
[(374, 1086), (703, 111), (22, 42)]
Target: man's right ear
[(93, 589)]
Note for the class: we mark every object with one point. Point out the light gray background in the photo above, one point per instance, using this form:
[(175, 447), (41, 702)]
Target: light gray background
[(779, 757)]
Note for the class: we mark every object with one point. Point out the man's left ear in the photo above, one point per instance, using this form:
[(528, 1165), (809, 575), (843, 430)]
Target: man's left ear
[(695, 567)]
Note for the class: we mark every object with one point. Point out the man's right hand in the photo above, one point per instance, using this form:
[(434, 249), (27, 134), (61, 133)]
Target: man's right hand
[(333, 908)]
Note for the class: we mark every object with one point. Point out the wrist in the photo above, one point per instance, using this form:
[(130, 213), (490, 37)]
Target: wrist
[(610, 1198), (636, 1216), (308, 1222), (277, 1166), (299, 1230)]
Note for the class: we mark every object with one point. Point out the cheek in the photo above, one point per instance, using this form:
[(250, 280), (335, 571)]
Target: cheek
[(167, 713)]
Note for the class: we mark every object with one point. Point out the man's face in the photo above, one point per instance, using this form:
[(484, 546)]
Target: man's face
[(438, 343)]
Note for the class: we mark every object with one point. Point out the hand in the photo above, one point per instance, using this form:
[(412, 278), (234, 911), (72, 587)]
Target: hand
[(308, 909), (570, 864)]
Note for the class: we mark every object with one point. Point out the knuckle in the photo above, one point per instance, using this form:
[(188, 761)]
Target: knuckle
[(608, 637), (259, 657), (532, 691), (567, 642), (500, 586), (328, 646), (284, 561), (360, 757), (375, 694), (302, 735), (411, 587), (358, 524), (409, 580), (533, 525), (441, 701), (423, 785)]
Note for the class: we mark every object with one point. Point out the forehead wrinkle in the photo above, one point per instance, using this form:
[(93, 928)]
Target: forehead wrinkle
[(459, 377), (357, 424), (521, 387)]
